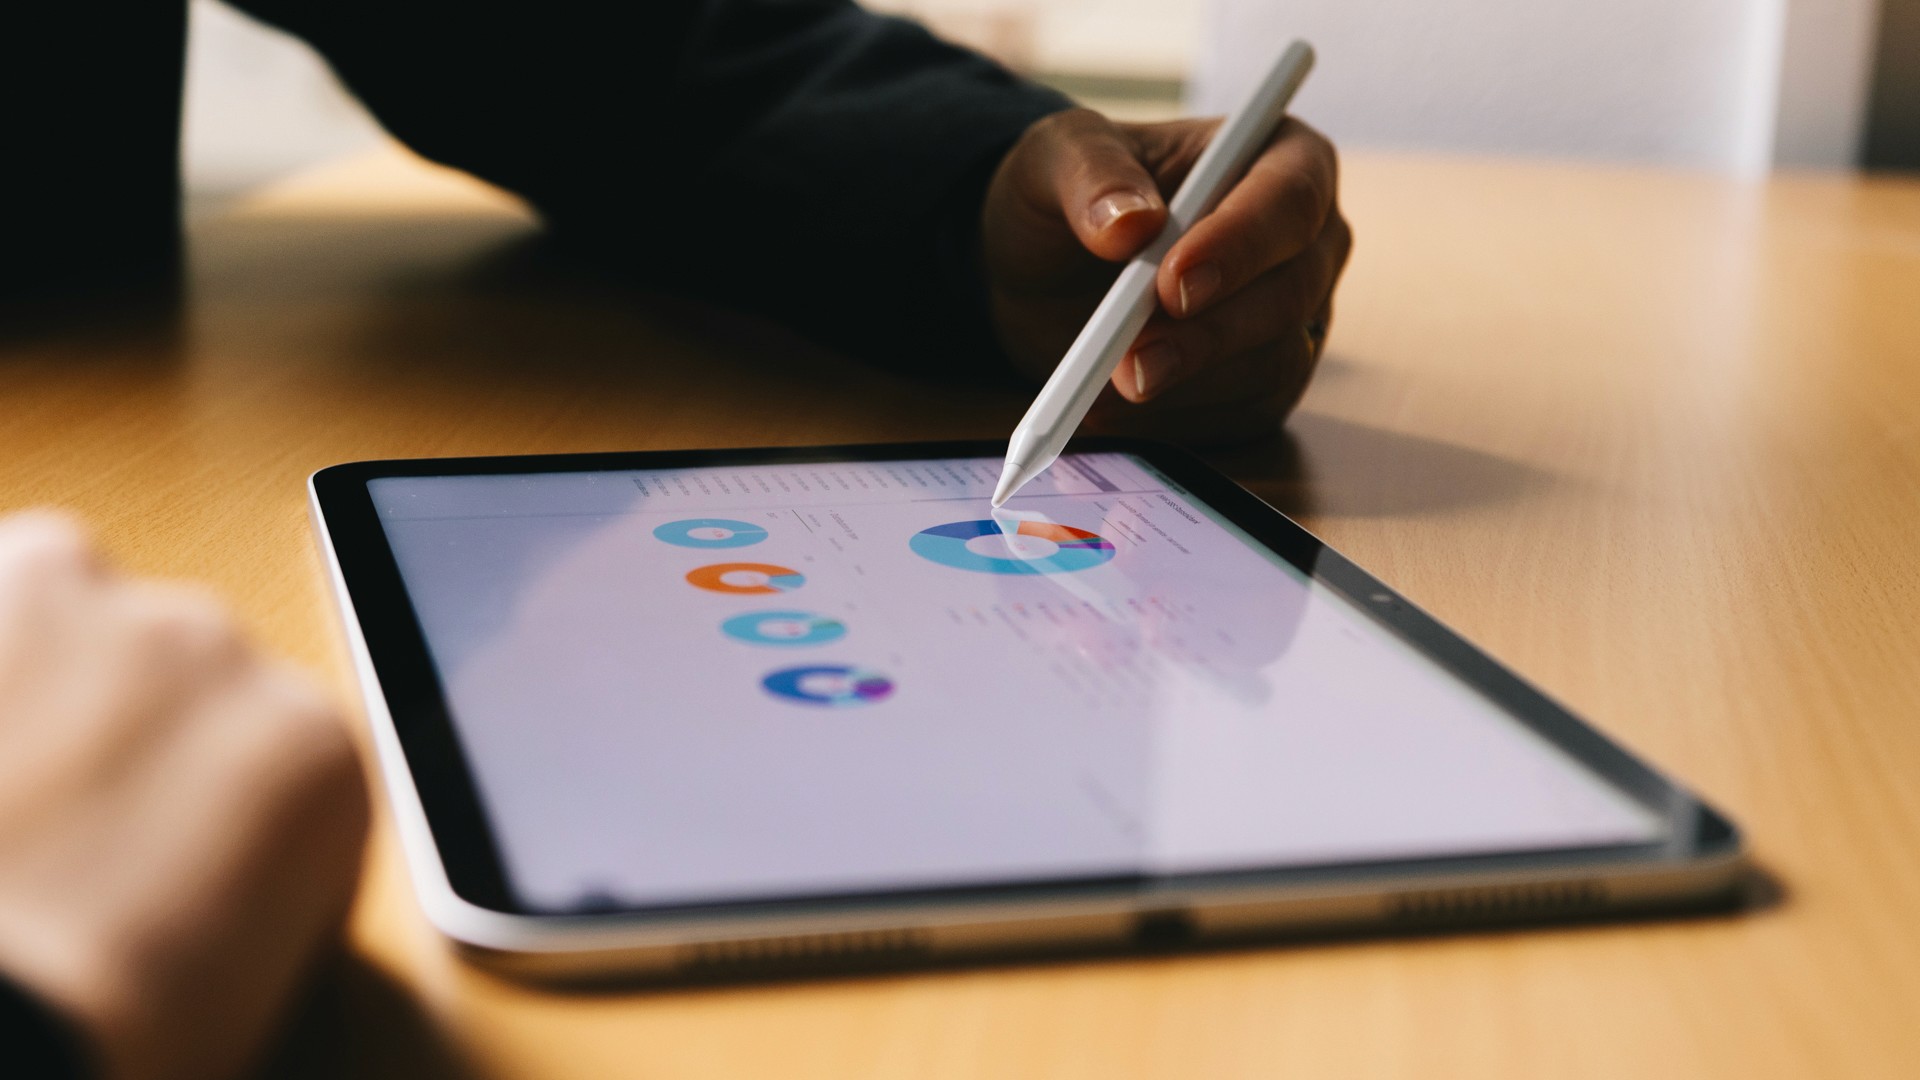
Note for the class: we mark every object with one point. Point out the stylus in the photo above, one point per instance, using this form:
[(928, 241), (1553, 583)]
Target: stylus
[(1063, 402)]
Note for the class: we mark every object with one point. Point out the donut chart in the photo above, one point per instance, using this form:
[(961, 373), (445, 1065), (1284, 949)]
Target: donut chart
[(709, 533), (784, 628), (829, 685), (746, 578), (1063, 549)]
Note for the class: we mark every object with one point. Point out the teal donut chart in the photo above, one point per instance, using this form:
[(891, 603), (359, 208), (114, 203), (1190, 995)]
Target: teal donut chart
[(710, 533), (784, 628)]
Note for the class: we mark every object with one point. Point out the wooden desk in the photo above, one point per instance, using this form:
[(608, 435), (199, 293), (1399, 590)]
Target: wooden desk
[(1652, 438)]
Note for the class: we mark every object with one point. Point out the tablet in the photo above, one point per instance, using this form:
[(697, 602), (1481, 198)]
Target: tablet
[(704, 712)]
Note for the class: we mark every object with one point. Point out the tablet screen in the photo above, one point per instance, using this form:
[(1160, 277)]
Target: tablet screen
[(778, 680)]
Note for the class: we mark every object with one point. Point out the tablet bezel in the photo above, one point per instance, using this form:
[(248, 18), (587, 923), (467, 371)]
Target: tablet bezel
[(396, 650)]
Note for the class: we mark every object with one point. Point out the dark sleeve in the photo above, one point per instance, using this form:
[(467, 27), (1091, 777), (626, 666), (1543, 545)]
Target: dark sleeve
[(89, 138), (35, 1042), (802, 158)]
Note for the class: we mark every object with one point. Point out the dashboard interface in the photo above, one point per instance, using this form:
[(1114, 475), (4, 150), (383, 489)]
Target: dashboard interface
[(677, 686)]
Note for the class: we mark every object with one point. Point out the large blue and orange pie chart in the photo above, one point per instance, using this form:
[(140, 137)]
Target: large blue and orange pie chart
[(746, 578), (1034, 547)]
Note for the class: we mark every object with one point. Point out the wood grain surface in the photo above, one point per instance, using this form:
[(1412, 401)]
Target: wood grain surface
[(1651, 438)]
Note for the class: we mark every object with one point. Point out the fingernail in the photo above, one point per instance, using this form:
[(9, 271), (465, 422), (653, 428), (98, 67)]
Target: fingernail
[(1116, 206), (1153, 365), (1197, 286)]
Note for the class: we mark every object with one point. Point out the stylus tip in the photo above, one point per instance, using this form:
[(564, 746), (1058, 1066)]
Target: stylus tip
[(1010, 480)]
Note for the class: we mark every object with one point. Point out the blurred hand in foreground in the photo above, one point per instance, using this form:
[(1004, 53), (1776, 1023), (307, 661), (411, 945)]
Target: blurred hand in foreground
[(180, 819), (1246, 296)]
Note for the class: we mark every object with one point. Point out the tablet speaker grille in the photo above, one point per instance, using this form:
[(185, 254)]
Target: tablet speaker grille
[(803, 951), (1497, 903)]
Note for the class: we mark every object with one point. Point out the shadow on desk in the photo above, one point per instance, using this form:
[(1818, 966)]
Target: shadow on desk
[(390, 335), (357, 1022), (502, 333), (1322, 466), (142, 322)]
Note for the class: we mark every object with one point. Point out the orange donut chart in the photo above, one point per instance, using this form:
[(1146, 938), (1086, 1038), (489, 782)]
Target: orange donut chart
[(746, 578)]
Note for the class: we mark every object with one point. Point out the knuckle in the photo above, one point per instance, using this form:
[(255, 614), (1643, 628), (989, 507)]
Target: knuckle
[(311, 738), (293, 722), (1039, 132), (1088, 139), (1343, 237), (321, 726), (187, 624), (1303, 201), (43, 543), (309, 712), (1318, 147), (1321, 144), (1063, 128), (1079, 120), (43, 523), (295, 753)]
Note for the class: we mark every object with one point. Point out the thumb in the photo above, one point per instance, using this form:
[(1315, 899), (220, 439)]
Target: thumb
[(1088, 169)]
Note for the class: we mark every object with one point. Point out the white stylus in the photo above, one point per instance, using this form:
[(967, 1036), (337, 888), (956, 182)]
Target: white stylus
[(1062, 403)]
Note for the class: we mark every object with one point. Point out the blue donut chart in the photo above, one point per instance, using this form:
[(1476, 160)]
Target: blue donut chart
[(829, 685), (1078, 549), (710, 533), (784, 628)]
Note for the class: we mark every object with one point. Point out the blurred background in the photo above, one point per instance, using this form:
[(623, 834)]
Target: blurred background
[(1737, 86)]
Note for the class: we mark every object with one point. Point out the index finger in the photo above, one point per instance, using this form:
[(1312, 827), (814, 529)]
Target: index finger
[(1271, 215)]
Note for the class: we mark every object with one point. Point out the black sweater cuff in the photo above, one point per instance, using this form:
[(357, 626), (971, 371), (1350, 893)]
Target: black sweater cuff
[(37, 1043)]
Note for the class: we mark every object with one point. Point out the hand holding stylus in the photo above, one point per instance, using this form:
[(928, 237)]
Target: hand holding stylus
[(1241, 301)]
